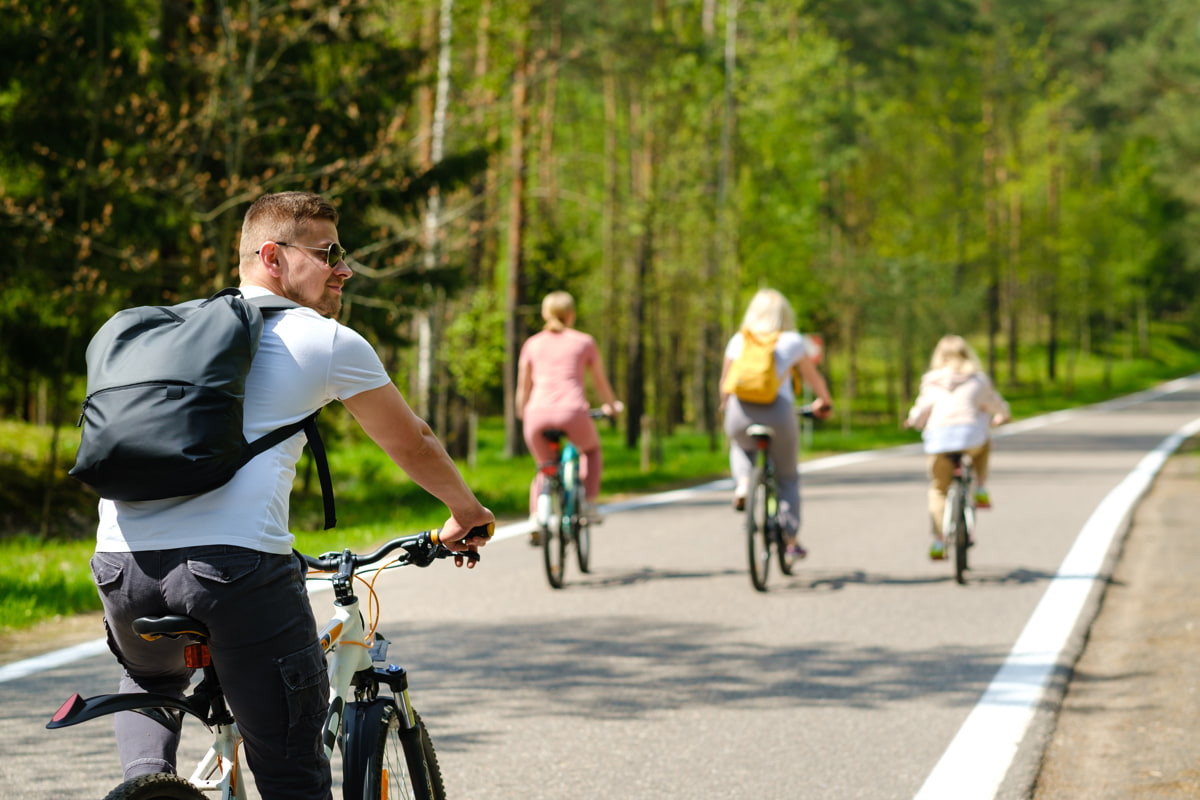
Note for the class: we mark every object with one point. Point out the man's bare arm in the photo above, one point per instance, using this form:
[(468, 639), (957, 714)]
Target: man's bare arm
[(410, 442)]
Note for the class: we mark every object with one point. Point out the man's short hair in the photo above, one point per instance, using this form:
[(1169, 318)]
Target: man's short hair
[(281, 217)]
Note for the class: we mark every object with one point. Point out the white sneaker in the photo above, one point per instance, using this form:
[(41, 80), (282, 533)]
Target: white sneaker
[(739, 495)]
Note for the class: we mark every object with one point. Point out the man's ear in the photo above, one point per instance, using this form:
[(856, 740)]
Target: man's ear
[(268, 257)]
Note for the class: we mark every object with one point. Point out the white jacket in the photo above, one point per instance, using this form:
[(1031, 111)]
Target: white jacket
[(954, 410)]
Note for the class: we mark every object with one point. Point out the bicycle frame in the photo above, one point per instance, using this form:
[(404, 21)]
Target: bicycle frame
[(560, 473), (349, 655)]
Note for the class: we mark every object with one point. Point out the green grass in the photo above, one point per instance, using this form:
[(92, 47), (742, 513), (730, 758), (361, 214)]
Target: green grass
[(44, 577)]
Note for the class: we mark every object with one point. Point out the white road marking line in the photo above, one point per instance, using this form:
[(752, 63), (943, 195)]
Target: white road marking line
[(30, 666)]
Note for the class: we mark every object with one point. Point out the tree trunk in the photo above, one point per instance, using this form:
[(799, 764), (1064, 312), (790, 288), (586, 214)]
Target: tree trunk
[(1014, 286), (1052, 262), (514, 329), (642, 177)]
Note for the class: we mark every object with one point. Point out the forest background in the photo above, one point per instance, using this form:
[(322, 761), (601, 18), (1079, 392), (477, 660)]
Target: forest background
[(1022, 172)]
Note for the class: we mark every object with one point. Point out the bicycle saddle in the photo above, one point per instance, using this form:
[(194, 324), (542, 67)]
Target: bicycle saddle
[(553, 434), (760, 430), (172, 626)]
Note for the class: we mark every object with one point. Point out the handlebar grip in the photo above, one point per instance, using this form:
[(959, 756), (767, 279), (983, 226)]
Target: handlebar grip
[(478, 532), (481, 531)]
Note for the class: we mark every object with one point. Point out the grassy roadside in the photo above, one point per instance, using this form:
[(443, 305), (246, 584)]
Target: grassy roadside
[(46, 577)]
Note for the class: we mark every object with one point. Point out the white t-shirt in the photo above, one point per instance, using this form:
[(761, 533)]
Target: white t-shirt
[(790, 347), (304, 362)]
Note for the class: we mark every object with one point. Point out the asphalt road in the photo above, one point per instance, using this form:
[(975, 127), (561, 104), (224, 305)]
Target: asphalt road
[(663, 674)]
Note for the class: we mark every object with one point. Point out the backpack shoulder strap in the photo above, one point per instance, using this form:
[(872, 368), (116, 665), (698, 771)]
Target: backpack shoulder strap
[(272, 302), (267, 304), (309, 426)]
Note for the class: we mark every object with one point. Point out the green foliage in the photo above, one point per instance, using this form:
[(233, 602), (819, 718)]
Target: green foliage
[(40, 580), (474, 346)]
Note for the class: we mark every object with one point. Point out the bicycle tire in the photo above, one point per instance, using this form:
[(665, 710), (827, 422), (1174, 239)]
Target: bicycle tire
[(382, 756), (156, 786), (962, 540), (758, 542), (787, 564), (582, 534), (554, 542), (955, 532)]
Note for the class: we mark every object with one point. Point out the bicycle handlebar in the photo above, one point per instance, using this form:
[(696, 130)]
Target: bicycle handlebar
[(807, 411), (421, 549)]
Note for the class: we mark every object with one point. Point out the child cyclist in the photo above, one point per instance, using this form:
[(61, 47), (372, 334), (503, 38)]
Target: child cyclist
[(955, 411)]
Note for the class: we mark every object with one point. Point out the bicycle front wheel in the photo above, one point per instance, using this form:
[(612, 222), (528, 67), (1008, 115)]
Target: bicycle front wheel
[(787, 564), (386, 759), (581, 532), (758, 536), (554, 542), (157, 786)]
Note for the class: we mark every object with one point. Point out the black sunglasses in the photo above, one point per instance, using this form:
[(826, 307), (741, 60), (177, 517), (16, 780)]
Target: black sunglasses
[(334, 254)]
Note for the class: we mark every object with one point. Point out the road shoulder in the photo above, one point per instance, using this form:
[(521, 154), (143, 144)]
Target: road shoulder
[(1127, 723)]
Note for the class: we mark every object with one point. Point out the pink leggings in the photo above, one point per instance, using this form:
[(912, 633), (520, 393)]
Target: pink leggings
[(579, 429)]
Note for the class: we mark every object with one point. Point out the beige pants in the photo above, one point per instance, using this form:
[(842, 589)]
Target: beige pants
[(941, 472)]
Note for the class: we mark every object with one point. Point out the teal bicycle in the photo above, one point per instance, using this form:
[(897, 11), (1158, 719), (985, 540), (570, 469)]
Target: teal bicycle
[(561, 525)]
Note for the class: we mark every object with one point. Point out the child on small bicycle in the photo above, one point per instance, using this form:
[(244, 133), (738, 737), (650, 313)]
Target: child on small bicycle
[(955, 410), (551, 394)]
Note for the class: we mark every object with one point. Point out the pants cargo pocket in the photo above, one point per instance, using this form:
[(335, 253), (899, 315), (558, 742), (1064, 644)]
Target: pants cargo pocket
[(307, 686)]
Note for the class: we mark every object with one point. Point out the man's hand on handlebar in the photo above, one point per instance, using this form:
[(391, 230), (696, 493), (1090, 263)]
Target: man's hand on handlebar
[(462, 538)]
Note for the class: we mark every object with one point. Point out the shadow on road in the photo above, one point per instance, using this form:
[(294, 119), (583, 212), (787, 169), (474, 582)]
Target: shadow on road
[(834, 581), (623, 668)]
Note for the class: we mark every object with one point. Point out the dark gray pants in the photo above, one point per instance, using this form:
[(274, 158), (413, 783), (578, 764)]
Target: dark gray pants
[(263, 641)]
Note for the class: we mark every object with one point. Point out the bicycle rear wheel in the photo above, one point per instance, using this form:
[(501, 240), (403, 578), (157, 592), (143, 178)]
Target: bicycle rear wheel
[(956, 533), (157, 786), (758, 537), (554, 542), (387, 759)]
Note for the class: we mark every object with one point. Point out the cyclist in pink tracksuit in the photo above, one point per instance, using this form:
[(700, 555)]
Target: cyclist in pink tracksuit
[(551, 393), (955, 410)]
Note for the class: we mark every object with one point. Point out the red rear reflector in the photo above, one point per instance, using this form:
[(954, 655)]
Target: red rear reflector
[(195, 656)]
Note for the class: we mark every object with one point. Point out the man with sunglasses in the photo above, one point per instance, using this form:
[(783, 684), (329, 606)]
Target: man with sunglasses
[(225, 557)]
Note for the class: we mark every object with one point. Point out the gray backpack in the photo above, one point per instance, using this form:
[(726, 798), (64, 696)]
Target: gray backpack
[(165, 387)]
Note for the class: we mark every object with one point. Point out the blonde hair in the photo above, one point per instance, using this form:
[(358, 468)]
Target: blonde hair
[(953, 352), (558, 308), (769, 312), (281, 217)]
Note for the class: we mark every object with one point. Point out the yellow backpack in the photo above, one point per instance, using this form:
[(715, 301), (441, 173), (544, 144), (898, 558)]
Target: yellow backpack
[(752, 376)]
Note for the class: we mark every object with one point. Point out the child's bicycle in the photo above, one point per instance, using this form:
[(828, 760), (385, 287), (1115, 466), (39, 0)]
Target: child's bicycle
[(386, 751), (764, 531), (560, 523)]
